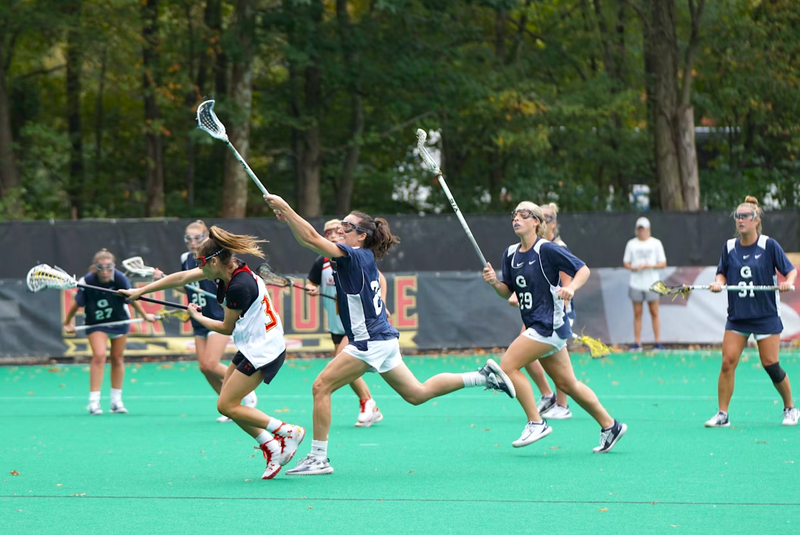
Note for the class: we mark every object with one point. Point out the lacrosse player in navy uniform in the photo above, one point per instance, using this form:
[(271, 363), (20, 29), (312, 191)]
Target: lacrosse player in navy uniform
[(531, 270), (257, 332), (209, 345), (100, 308), (752, 259), (320, 281), (373, 342)]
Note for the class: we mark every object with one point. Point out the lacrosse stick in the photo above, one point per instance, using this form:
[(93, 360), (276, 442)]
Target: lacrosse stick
[(135, 265), (434, 168), (180, 314), (596, 348), (684, 290), (43, 276), (273, 279), (207, 120)]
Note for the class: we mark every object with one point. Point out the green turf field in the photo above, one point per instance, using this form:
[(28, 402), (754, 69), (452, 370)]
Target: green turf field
[(445, 467)]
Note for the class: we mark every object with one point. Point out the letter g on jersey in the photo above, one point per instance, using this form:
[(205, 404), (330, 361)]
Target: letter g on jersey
[(521, 282), (746, 272)]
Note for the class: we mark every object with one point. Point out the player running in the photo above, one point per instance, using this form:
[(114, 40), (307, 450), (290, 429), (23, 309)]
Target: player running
[(257, 332), (209, 345), (531, 270), (751, 259), (100, 308), (373, 343), (320, 281)]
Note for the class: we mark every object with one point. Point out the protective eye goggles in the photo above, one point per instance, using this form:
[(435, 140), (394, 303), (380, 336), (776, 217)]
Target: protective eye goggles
[(105, 267), (197, 238), (203, 260), (349, 227), (549, 218), (524, 213), (743, 216)]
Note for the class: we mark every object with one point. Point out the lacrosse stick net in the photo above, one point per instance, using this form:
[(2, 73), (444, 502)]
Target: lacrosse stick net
[(135, 265), (43, 276), (596, 348), (662, 289)]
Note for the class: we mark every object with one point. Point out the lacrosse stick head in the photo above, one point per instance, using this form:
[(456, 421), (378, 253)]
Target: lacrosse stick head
[(269, 276), (662, 289), (423, 152), (207, 120), (43, 276), (597, 348), (135, 266), (176, 313)]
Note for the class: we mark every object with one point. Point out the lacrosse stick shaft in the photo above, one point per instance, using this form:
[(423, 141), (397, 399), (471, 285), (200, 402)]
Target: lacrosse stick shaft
[(148, 299), (247, 168), (461, 218), (300, 287), (740, 288), (198, 290)]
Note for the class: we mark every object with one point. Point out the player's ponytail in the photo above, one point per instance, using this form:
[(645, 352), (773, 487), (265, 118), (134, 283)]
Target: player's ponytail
[(381, 239), (752, 203), (99, 255), (231, 244)]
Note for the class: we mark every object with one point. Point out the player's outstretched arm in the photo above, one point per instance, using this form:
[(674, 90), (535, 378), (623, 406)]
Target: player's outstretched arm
[(176, 280), (303, 232)]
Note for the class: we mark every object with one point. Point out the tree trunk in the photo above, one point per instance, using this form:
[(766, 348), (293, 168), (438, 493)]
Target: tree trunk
[(75, 190), (665, 64), (9, 174), (687, 155), (236, 181), (154, 182), (311, 205), (344, 194), (99, 113)]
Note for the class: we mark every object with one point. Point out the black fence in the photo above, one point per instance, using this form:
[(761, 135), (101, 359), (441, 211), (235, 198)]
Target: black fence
[(429, 243)]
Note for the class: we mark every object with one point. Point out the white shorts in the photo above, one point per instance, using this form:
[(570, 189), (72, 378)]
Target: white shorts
[(554, 340), (381, 355), (758, 337)]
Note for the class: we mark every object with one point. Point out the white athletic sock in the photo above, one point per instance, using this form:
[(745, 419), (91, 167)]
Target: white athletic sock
[(273, 425), (94, 398), (116, 395), (473, 379), (263, 438), (319, 449)]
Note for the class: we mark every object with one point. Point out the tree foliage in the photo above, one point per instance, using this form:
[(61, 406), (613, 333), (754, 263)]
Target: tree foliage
[(527, 99)]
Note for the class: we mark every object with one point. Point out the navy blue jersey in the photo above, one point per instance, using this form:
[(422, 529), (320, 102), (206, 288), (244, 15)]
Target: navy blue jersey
[(358, 292), (102, 307), (754, 265), (533, 276), (210, 307)]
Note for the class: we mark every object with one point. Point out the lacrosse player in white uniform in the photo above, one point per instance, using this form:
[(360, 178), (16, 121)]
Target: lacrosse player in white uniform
[(209, 345), (257, 332)]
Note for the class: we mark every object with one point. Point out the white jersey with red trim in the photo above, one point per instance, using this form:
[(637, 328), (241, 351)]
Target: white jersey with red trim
[(258, 333)]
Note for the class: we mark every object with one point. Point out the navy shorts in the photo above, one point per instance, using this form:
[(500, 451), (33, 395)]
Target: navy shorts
[(269, 371), (337, 339), (112, 332)]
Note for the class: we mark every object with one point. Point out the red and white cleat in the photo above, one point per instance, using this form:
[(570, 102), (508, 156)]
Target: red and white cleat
[(369, 414), (289, 437), (270, 449)]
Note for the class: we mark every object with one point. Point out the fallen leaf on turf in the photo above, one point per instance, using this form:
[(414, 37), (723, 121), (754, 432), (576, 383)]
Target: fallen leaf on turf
[(614, 383), (603, 510), (487, 429), (248, 480), (473, 425), (14, 473), (761, 442), (82, 494), (202, 451), (411, 472), (59, 484), (675, 525), (30, 393), (555, 447), (133, 380), (282, 410), (312, 507), (53, 369), (434, 403), (62, 386)]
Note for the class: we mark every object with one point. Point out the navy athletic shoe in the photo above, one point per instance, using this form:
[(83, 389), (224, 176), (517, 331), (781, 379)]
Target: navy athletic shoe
[(609, 437), (496, 379)]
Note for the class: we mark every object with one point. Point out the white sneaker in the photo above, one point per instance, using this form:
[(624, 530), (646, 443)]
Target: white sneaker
[(311, 466), (496, 379), (250, 400), (557, 412), (289, 437), (790, 416), (532, 433), (546, 403), (95, 410), (369, 413), (719, 420), (223, 419), (118, 408), (270, 452), (609, 437)]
